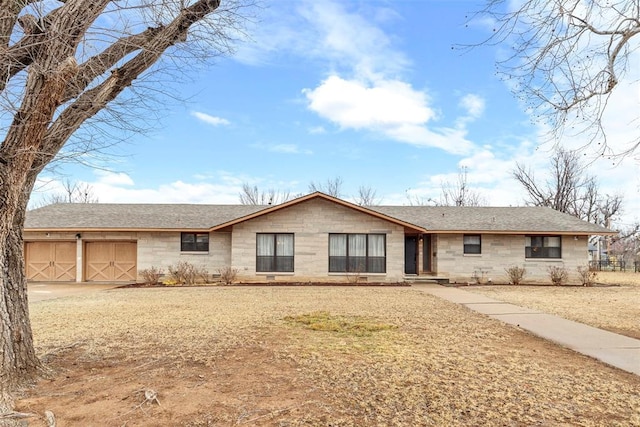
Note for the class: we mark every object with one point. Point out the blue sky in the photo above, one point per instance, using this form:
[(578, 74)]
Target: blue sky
[(371, 92)]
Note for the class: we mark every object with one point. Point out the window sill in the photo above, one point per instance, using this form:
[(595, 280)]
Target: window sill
[(544, 259), (277, 273), (194, 252), (472, 255), (356, 274)]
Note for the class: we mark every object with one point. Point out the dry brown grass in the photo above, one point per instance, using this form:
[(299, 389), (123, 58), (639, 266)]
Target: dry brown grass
[(247, 356), (614, 307)]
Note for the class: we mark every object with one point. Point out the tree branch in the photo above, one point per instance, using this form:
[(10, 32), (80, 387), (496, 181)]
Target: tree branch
[(92, 101)]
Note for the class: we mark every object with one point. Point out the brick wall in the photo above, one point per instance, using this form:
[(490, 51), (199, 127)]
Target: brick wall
[(311, 222), (500, 252)]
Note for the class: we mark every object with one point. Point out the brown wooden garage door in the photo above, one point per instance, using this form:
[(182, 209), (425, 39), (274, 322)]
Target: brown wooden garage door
[(51, 261), (110, 261)]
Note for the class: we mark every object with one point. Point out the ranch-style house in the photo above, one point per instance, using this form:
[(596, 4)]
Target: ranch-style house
[(313, 238)]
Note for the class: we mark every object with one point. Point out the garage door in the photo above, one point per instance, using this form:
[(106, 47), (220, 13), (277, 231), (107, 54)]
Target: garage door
[(51, 261), (110, 261)]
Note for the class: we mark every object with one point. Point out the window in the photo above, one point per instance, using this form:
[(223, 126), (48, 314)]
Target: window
[(274, 252), (543, 247), (194, 242), (472, 244), (357, 253)]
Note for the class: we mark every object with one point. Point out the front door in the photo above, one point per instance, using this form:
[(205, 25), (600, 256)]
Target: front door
[(411, 255)]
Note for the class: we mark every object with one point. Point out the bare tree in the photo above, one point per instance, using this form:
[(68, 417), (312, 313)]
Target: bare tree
[(459, 193), (367, 196), (252, 195), (332, 187), (62, 63), (72, 192), (567, 58), (569, 189)]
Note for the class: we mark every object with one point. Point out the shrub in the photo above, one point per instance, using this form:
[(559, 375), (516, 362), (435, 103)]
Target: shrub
[(558, 275), (228, 275), (586, 275), (151, 276), (185, 273), (515, 274)]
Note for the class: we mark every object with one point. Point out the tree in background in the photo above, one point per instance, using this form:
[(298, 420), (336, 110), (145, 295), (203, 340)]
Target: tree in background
[(569, 189), (62, 63), (332, 187), (458, 193), (367, 196), (566, 58), (252, 195), (72, 192)]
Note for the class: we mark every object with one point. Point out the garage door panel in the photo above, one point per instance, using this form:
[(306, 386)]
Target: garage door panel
[(111, 261), (64, 267), (50, 261)]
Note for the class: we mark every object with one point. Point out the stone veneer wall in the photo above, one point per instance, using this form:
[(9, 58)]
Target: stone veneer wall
[(311, 222), (501, 251), (159, 249)]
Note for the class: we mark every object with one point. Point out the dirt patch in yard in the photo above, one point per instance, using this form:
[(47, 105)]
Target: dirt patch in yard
[(293, 356)]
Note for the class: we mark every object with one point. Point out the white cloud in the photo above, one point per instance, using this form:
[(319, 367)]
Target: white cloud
[(113, 178), (282, 148), (209, 119), (287, 148), (473, 104), (317, 130), (390, 107), (352, 104)]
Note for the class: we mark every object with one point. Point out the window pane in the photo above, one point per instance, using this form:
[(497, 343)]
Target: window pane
[(376, 245), (284, 244), (543, 247), (194, 242), (472, 249), (337, 245), (265, 244), (337, 264), (554, 253), (357, 245), (472, 240), (552, 241), (376, 265), (284, 264), (264, 263)]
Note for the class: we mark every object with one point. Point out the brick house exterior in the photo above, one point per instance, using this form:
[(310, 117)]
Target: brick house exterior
[(314, 238)]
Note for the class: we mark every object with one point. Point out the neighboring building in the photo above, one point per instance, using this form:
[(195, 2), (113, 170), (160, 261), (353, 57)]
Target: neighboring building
[(314, 238)]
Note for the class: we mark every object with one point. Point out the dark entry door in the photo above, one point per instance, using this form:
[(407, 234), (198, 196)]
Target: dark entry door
[(411, 255)]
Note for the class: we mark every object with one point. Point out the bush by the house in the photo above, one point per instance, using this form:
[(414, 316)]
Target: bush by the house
[(185, 273), (515, 274), (558, 275), (228, 275), (151, 276), (586, 275)]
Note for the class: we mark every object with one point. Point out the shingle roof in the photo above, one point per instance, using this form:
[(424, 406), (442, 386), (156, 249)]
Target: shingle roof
[(99, 216), (497, 219), (134, 216)]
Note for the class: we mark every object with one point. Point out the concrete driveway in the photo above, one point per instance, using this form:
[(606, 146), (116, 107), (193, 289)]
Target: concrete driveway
[(44, 291)]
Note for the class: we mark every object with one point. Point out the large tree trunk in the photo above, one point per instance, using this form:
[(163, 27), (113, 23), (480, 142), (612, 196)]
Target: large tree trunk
[(18, 361), (58, 96)]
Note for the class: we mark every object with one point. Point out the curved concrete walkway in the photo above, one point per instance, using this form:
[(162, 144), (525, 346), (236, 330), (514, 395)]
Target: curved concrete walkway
[(613, 349)]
